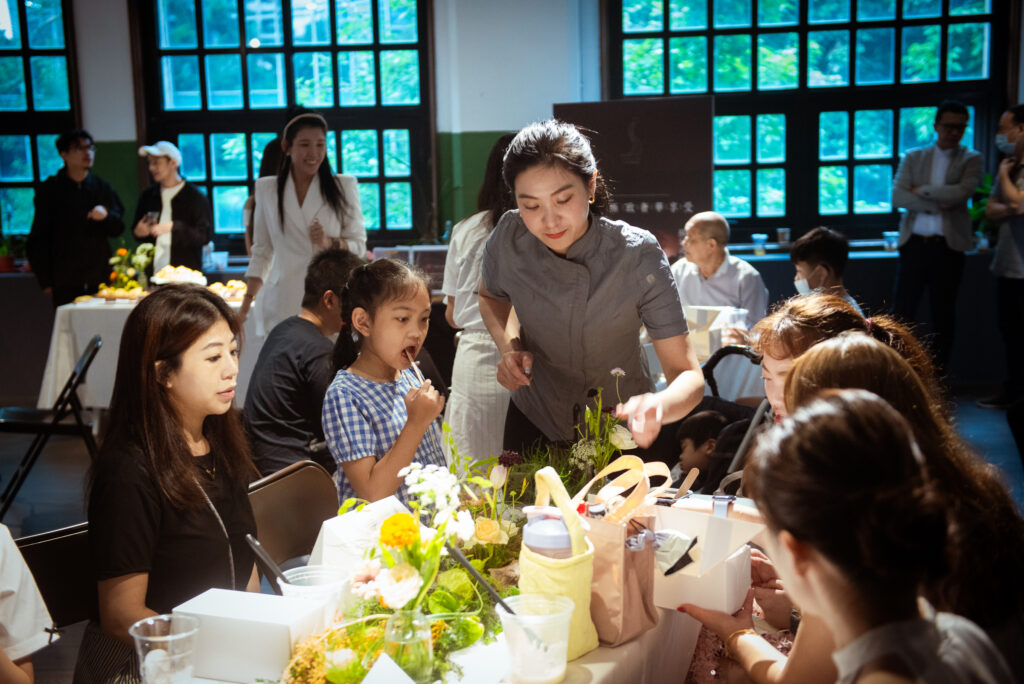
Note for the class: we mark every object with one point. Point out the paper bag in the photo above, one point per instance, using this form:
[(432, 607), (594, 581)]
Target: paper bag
[(343, 540)]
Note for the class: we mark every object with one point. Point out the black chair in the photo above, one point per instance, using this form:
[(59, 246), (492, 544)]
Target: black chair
[(59, 561), (45, 422), (727, 350)]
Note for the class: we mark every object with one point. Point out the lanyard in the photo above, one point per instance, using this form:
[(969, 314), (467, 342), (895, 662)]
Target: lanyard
[(220, 521)]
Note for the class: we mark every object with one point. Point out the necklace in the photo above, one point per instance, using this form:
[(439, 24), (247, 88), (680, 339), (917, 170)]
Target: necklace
[(211, 471)]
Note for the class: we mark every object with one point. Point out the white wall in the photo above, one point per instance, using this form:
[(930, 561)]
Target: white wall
[(502, 64), (104, 56)]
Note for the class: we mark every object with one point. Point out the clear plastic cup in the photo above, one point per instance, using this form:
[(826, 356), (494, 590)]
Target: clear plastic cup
[(537, 637), (325, 584), (892, 240), (759, 240), (166, 647)]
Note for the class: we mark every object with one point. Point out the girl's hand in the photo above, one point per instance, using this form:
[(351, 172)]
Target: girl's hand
[(1006, 165), (424, 404), (721, 623), (643, 414), (514, 369)]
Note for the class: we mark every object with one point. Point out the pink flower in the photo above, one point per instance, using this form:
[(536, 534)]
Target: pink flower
[(618, 372)]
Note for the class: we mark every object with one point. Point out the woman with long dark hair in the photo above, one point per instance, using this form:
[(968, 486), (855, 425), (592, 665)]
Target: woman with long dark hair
[(168, 506), (304, 209), (477, 403)]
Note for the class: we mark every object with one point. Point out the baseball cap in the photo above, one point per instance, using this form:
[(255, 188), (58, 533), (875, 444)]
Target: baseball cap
[(162, 148)]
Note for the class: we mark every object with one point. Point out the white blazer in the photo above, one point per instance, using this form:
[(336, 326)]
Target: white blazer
[(280, 255)]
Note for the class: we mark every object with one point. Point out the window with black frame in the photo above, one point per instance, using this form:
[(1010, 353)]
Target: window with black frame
[(815, 100), (218, 76), (37, 102)]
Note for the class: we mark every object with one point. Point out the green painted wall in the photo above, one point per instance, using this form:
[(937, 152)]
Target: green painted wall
[(118, 164), (462, 158)]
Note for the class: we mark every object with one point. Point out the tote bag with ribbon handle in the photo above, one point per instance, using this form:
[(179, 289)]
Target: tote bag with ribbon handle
[(622, 591), (570, 577)]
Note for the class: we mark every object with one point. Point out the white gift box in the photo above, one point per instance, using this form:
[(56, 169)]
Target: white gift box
[(344, 539), (245, 637), (719, 577)]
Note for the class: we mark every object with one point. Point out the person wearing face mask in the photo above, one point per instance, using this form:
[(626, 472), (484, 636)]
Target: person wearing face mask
[(819, 258), (933, 185), (1004, 206)]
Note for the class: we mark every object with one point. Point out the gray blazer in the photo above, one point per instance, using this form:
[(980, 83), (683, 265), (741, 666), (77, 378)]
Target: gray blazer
[(962, 178)]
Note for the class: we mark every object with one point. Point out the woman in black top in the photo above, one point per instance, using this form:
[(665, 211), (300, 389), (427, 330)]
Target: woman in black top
[(168, 508)]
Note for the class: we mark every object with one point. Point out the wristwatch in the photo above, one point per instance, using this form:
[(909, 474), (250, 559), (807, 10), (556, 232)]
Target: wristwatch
[(720, 504)]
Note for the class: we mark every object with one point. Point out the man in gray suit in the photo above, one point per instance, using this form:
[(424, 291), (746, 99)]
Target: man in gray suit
[(933, 185)]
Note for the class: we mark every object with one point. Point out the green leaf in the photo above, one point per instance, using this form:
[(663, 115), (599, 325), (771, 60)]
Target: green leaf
[(457, 582), (443, 602), (480, 481), (468, 629), (349, 504)]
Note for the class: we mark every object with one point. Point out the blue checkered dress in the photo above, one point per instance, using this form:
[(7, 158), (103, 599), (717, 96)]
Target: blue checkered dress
[(363, 418)]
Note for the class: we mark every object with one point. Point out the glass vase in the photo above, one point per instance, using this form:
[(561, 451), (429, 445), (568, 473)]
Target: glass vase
[(408, 642)]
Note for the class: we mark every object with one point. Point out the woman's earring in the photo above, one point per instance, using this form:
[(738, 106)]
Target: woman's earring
[(591, 200)]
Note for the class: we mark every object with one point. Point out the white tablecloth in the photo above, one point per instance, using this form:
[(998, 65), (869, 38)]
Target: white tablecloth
[(73, 327)]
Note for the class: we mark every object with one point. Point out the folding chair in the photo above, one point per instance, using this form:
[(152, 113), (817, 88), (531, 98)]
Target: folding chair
[(59, 561), (290, 506), (43, 423)]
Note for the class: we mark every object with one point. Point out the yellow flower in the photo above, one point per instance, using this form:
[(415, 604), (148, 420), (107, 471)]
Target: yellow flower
[(399, 530), (437, 628), (489, 532)]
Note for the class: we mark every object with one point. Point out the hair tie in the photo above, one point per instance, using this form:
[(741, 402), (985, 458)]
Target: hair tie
[(870, 324), (284, 133)]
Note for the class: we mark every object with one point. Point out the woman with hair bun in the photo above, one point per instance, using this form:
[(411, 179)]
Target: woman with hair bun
[(582, 286), (856, 526)]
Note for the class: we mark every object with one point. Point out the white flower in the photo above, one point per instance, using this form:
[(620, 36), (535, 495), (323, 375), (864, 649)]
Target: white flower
[(463, 526), (618, 372), (621, 438), (583, 454), (499, 474), (341, 657), (398, 585)]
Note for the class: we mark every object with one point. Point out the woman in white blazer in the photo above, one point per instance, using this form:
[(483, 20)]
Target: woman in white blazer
[(302, 210)]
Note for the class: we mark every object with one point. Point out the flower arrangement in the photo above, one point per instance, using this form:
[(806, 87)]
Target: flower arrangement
[(128, 269)]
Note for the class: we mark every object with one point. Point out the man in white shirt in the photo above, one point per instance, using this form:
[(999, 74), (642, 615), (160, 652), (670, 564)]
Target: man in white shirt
[(710, 276), (932, 186)]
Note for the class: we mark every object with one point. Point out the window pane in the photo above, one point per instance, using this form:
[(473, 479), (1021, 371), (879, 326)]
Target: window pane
[(828, 11), (732, 62), (771, 192), (49, 159), (833, 135), (642, 15), (771, 138), (332, 150), (180, 82), (828, 58), (913, 9), (399, 77), (12, 85), (266, 80), (49, 83), (359, 153), (397, 160), (227, 208), (732, 193), (875, 56), (398, 202), (778, 12), (220, 23), (355, 21), (397, 21), (45, 24), (919, 60), (259, 142), (314, 82), (193, 156), (311, 23), (264, 23), (832, 190), (369, 198), (868, 10), (229, 156), (732, 140), (778, 61), (872, 134), (960, 7), (872, 189), (916, 127), (10, 27), (16, 210), (356, 83), (687, 14), (224, 82), (177, 23), (732, 13), (688, 61), (967, 52), (15, 158), (642, 68)]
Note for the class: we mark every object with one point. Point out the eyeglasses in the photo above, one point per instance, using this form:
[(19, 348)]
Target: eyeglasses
[(83, 148), (954, 127)]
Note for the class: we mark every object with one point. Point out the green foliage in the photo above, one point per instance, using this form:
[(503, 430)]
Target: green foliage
[(978, 206), (688, 65), (920, 58), (875, 56), (872, 133), (778, 61), (828, 58), (967, 51), (732, 192), (399, 77), (642, 69), (642, 15), (833, 192), (686, 14), (12, 84), (732, 62), (833, 135), (777, 12), (828, 11)]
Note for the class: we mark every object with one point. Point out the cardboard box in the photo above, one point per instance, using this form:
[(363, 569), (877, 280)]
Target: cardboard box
[(245, 637)]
